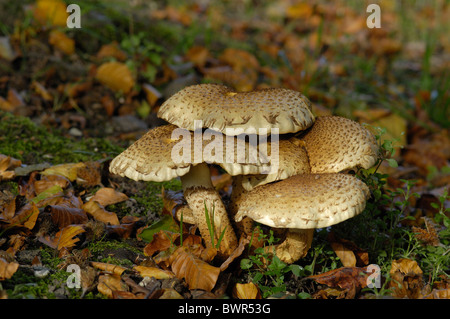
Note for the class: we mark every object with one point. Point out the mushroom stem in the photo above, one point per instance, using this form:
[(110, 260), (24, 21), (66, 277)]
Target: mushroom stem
[(200, 193), (246, 225), (295, 246)]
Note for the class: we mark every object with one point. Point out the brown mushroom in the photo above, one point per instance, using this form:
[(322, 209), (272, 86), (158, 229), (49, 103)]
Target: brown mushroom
[(232, 113), (335, 144), (303, 203)]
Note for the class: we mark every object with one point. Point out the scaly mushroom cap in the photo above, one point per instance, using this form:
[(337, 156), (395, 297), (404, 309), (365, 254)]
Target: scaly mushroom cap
[(219, 107), (305, 201), (292, 160), (335, 144), (154, 157)]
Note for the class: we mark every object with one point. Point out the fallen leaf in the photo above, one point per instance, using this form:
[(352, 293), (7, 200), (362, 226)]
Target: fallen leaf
[(350, 279), (109, 268), (111, 50), (51, 12), (115, 75), (406, 279), (67, 170), (65, 238), (63, 216), (89, 174), (100, 213), (348, 252), (107, 196), (153, 272), (62, 42), (246, 291), (174, 202), (108, 284), (197, 273), (429, 235), (7, 269)]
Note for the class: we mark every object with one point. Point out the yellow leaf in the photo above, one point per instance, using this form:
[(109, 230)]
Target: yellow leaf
[(109, 268), (299, 11), (100, 213), (153, 272), (107, 284), (246, 291), (62, 42), (65, 238), (115, 75), (51, 11), (7, 269), (67, 170)]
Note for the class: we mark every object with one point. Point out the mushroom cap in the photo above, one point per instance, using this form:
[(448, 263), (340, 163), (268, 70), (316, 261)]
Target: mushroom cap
[(219, 108), (335, 144), (154, 156), (305, 201), (292, 160)]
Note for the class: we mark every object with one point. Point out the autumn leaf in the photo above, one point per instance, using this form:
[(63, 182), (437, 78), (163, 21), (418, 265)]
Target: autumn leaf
[(406, 279), (348, 252), (429, 235), (115, 75), (109, 268), (62, 42), (107, 196), (63, 216), (108, 284), (197, 273), (68, 170), (65, 238), (100, 213), (246, 291), (350, 279), (51, 12), (7, 269), (157, 273)]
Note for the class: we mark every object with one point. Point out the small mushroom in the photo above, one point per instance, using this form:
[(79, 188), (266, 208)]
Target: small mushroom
[(220, 108), (303, 203), (335, 144)]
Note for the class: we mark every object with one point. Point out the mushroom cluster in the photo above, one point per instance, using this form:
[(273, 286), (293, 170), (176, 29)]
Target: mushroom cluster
[(305, 190), (161, 154)]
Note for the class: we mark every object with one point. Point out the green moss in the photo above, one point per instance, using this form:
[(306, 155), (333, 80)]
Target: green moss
[(31, 143)]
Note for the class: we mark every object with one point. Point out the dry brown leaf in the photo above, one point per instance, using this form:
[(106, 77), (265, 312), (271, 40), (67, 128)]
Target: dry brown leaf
[(63, 216), (7, 164), (246, 291), (152, 94), (406, 279), (7, 269), (41, 91), (347, 251), (197, 273), (107, 196), (174, 203), (48, 181), (100, 213), (350, 279), (161, 241), (109, 268), (197, 55), (115, 75), (65, 238), (25, 217), (153, 272), (108, 284)]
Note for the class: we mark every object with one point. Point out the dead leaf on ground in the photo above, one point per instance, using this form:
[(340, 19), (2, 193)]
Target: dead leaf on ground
[(116, 75), (100, 213), (406, 279), (63, 216), (107, 196), (350, 279), (68, 170), (246, 291), (348, 252), (109, 268), (109, 284), (7, 269), (145, 271), (197, 273), (65, 238), (427, 236)]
